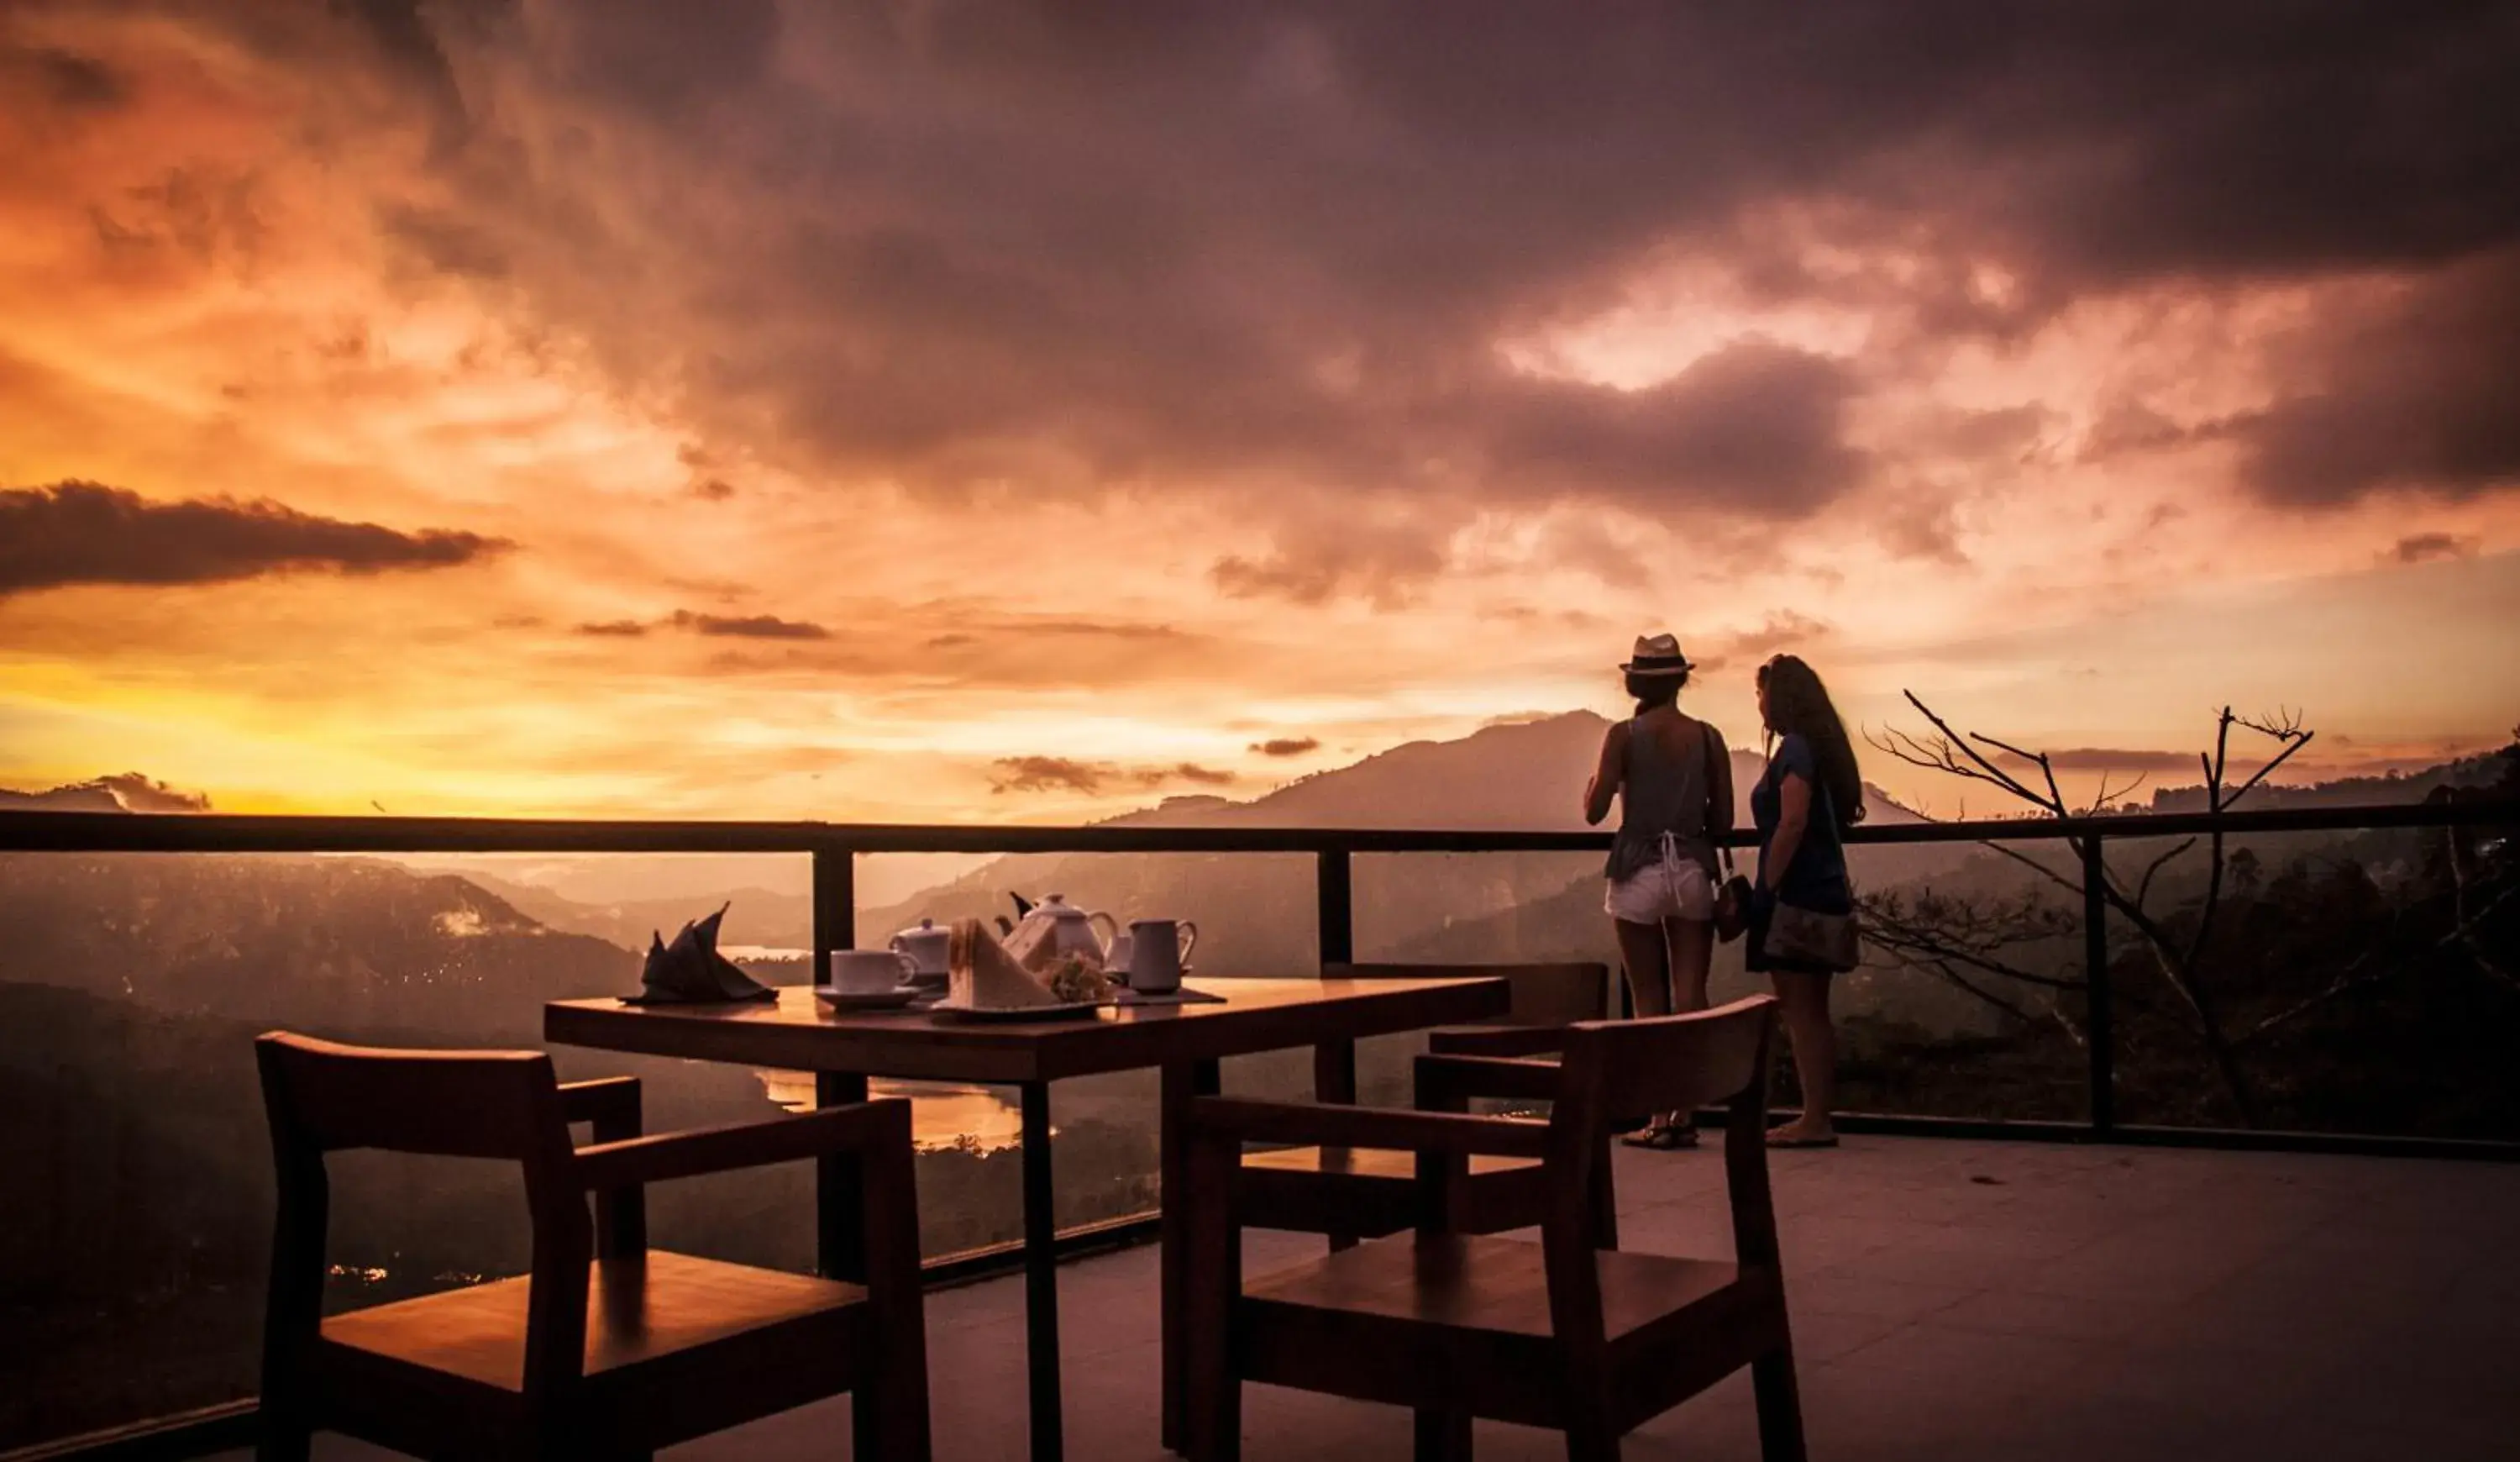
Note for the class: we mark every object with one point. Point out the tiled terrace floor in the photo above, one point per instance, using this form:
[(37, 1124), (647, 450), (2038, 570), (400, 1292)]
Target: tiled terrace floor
[(1950, 1299)]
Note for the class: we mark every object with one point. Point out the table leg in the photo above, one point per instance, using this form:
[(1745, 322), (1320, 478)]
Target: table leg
[(1182, 1081), (839, 1236), (1041, 1275)]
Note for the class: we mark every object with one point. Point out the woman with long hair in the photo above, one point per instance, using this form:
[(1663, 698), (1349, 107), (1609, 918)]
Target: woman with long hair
[(1810, 794), (1674, 781)]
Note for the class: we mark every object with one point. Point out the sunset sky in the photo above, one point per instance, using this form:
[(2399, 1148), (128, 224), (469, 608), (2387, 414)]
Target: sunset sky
[(727, 408)]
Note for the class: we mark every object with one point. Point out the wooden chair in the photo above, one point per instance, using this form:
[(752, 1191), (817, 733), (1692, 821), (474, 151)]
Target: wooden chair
[(609, 1349), (1349, 1191), (1559, 1333)]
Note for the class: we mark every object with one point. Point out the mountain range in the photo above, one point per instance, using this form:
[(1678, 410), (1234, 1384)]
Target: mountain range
[(1257, 911)]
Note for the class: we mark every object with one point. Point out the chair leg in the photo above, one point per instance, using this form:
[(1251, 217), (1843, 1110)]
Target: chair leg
[(866, 1424), (1215, 1417), (1606, 1200), (889, 1421), (1443, 1436), (1781, 1408), (284, 1439), (1588, 1439)]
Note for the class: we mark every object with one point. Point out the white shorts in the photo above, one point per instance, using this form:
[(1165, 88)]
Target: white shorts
[(1665, 889)]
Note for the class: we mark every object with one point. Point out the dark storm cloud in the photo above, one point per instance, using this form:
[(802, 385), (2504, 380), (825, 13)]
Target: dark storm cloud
[(446, 245), (1239, 248), (748, 627), (2426, 548), (663, 54), (1048, 774), (406, 36), (87, 533), (1756, 424), (66, 79), (1068, 774), (2420, 396), (1287, 746), (1783, 629), (2107, 759)]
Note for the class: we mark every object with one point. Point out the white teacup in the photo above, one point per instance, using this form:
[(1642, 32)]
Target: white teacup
[(870, 972), (1157, 950)]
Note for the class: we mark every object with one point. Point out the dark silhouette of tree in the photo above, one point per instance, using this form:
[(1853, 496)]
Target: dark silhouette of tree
[(2475, 863), (1951, 938)]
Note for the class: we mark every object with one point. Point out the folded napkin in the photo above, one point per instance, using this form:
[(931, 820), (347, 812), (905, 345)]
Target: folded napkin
[(981, 974), (689, 969)]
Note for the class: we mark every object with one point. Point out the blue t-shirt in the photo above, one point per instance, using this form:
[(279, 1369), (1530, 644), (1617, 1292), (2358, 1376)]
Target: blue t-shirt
[(1816, 879)]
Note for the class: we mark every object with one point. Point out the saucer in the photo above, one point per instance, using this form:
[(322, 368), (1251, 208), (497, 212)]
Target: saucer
[(891, 999)]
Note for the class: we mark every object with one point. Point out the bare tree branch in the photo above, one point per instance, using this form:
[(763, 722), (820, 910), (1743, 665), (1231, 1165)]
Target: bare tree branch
[(1955, 743), (2283, 727), (1961, 931), (1943, 970), (2143, 890), (2179, 961)]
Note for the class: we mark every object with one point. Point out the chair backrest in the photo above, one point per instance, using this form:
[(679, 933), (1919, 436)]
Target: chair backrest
[(1621, 1071), (1544, 993), (452, 1104), (322, 1097), (1615, 1072)]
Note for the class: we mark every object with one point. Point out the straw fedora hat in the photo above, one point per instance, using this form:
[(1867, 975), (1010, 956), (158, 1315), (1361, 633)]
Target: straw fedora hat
[(1657, 655)]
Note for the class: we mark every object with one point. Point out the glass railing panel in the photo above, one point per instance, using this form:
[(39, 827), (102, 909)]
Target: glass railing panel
[(1970, 1001), (1468, 908), (131, 989), (2348, 981)]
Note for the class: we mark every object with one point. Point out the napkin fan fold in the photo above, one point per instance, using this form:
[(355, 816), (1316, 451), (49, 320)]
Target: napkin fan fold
[(690, 971)]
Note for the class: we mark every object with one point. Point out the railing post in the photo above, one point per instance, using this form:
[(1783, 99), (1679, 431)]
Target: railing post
[(1337, 909), (2097, 1016), (835, 904), (839, 1230)]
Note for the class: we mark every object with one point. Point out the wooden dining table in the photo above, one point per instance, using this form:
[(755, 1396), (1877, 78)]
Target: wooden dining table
[(1183, 1041)]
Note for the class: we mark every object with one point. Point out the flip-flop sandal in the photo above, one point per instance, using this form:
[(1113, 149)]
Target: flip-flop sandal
[(1794, 1142), (1662, 1139)]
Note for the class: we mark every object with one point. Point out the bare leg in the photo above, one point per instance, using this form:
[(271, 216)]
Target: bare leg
[(1640, 949), (1692, 943), (1805, 998), (1648, 960)]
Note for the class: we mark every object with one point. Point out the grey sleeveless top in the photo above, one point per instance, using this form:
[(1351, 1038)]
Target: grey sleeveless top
[(1662, 793)]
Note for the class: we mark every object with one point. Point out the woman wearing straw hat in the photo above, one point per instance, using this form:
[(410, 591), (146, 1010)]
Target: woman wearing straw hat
[(1674, 781)]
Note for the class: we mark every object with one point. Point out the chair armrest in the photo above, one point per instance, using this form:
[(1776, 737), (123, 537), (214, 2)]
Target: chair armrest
[(607, 1101), (1496, 1040), (679, 1155), (1444, 1079), (1227, 1119)]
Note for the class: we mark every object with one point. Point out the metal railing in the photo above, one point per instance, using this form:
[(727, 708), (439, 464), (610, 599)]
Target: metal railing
[(833, 848)]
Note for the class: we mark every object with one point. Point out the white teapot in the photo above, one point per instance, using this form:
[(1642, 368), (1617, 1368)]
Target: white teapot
[(1054, 928)]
